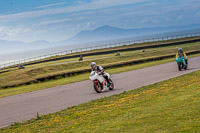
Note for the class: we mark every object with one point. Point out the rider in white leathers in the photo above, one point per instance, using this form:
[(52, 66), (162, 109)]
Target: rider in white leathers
[(100, 71)]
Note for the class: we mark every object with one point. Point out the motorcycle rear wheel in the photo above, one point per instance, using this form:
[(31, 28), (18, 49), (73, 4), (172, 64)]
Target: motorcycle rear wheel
[(111, 87), (185, 67)]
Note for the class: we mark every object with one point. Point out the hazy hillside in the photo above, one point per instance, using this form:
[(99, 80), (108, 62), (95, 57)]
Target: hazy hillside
[(108, 33), (101, 35)]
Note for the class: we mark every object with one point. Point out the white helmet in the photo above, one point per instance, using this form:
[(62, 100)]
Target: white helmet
[(93, 64), (180, 49)]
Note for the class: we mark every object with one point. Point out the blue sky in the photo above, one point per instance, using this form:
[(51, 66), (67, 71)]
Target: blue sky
[(56, 20)]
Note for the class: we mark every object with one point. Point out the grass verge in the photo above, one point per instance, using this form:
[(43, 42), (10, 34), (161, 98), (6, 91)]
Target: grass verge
[(41, 74), (169, 106), (103, 51), (77, 78)]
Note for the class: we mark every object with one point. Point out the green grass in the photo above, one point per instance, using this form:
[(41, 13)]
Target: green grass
[(30, 74), (109, 55), (113, 55), (169, 106), (77, 78), (106, 49)]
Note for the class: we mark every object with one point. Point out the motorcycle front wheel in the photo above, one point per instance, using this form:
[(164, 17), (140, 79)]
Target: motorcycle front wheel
[(97, 86), (111, 87), (179, 66)]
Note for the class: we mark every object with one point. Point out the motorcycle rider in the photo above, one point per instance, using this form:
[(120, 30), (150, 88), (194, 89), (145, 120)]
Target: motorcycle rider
[(182, 53), (100, 71)]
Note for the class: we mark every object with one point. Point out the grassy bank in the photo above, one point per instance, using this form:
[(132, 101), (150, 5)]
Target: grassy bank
[(77, 78), (168, 106), (31, 75), (107, 51)]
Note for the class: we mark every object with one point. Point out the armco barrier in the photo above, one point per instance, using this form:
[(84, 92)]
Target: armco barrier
[(164, 38), (62, 75), (114, 51)]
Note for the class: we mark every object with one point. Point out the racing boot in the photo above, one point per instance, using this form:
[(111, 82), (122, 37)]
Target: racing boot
[(106, 77)]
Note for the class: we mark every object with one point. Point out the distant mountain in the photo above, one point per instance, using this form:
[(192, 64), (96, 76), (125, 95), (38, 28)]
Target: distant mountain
[(101, 35), (108, 33)]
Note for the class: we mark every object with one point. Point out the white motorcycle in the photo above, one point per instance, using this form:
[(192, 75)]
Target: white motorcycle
[(100, 83)]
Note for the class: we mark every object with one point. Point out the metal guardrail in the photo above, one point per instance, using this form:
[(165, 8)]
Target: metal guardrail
[(164, 38)]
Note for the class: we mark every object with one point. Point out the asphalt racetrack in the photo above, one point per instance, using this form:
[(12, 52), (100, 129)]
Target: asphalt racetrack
[(22, 107)]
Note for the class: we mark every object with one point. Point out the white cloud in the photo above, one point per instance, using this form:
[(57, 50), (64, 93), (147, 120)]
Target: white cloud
[(51, 5), (145, 20), (52, 19), (89, 24), (96, 4), (56, 21), (12, 31), (180, 17)]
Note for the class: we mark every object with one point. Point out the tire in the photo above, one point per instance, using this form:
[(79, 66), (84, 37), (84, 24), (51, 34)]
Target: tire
[(98, 87), (185, 67), (111, 87), (179, 66), (186, 61)]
